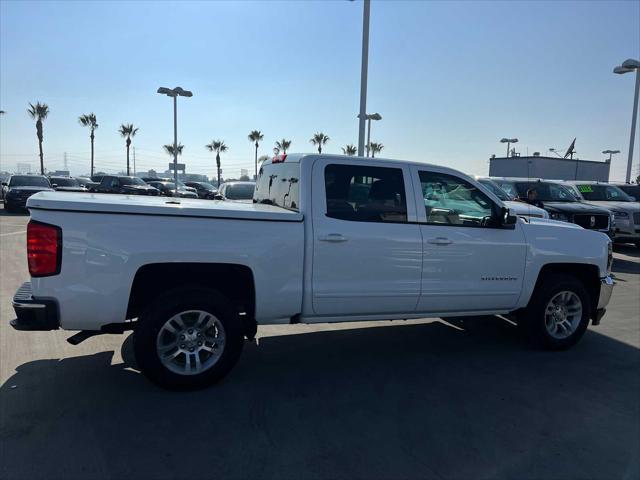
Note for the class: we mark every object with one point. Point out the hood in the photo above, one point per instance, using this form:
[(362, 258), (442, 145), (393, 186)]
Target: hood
[(626, 206), (71, 189), (521, 208), (138, 187), (575, 207), (29, 188), (553, 223)]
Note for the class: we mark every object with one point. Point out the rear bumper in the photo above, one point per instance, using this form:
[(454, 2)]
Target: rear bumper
[(34, 314)]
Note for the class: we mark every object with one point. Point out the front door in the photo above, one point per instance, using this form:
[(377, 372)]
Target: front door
[(469, 263), (367, 256)]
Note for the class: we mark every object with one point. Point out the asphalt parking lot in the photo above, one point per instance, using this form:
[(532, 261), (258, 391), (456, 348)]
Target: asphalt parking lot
[(417, 399)]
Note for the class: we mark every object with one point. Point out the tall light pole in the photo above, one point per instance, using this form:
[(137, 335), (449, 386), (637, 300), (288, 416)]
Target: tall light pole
[(175, 93), (508, 141), (610, 152), (629, 66), (368, 118), (363, 75)]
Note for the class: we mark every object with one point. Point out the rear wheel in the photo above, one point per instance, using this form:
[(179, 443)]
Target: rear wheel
[(191, 339), (558, 313)]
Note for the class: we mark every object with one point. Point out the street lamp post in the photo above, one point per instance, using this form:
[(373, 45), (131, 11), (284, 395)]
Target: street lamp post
[(175, 93), (610, 152), (629, 66), (508, 141), (368, 117), (363, 75)]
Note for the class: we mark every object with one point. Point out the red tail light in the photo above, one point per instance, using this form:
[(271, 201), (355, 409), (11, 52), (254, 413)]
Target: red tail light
[(44, 249)]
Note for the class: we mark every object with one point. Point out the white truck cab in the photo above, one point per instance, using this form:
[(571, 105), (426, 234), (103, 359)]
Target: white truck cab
[(327, 238)]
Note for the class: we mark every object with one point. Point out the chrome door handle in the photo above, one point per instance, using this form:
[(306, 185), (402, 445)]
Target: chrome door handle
[(440, 241), (332, 237)]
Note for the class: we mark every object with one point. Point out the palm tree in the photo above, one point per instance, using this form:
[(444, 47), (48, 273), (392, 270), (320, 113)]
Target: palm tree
[(91, 122), (375, 148), (169, 149), (319, 139), (39, 112), (128, 131), (350, 150), (256, 136), (217, 146), (282, 146), (262, 158)]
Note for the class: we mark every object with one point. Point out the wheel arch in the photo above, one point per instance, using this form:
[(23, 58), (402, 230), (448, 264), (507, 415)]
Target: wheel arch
[(587, 273), (234, 281)]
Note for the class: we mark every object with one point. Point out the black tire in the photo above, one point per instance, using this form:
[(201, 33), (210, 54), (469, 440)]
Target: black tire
[(176, 301), (532, 321), (8, 208)]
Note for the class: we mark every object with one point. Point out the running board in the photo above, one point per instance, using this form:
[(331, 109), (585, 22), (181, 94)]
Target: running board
[(83, 335)]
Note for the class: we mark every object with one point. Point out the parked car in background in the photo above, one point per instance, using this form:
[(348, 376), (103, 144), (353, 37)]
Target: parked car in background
[(67, 184), (560, 202), (517, 207), (237, 191), (626, 211), (20, 187), (423, 241), (168, 189), (125, 185), (203, 189), (631, 189)]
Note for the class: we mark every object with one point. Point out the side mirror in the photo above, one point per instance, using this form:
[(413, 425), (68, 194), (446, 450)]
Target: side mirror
[(217, 196), (506, 219)]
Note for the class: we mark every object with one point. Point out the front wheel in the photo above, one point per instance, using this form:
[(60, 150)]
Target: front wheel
[(190, 339), (558, 313)]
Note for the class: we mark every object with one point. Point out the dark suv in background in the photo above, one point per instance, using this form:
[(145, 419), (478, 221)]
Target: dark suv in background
[(203, 189), (67, 184), (560, 202), (125, 185), (20, 187)]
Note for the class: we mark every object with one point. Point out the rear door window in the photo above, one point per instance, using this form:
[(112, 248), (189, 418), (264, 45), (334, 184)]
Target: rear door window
[(365, 194)]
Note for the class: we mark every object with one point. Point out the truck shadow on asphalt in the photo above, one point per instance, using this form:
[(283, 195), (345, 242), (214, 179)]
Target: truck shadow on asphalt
[(465, 400)]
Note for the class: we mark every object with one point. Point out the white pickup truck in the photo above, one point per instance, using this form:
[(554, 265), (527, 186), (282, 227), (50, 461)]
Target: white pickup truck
[(326, 239)]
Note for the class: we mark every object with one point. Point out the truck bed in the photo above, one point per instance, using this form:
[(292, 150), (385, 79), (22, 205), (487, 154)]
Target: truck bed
[(164, 206)]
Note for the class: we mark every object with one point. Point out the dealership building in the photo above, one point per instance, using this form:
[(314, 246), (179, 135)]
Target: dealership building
[(552, 168)]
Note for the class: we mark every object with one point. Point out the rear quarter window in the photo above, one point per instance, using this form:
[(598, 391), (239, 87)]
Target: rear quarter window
[(279, 184)]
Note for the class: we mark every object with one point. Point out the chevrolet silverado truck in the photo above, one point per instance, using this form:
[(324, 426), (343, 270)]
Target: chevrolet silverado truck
[(327, 239)]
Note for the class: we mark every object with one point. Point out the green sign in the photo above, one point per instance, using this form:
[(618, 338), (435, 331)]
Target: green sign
[(585, 188)]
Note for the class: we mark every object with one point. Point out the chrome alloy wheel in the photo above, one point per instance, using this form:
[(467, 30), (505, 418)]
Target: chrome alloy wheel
[(563, 314), (190, 342)]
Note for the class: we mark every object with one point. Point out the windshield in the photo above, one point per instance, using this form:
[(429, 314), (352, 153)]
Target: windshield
[(547, 192), (131, 181), (240, 191), (65, 181), (596, 192), (496, 190), (29, 181)]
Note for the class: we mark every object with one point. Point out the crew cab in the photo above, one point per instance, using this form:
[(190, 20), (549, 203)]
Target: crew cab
[(327, 238), (561, 203)]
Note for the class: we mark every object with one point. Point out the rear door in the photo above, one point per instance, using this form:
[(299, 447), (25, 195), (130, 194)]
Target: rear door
[(367, 247), (469, 264)]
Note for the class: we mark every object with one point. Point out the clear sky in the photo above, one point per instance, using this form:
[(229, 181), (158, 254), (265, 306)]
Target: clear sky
[(449, 78)]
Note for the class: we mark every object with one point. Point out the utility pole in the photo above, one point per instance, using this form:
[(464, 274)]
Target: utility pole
[(363, 76), (66, 165), (134, 161)]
